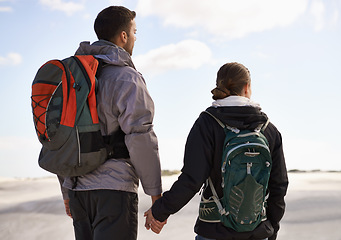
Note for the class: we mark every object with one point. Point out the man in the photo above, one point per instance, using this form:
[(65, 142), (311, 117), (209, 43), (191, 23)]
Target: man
[(103, 203)]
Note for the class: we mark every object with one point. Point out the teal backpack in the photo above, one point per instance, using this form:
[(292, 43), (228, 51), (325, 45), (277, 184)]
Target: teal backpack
[(245, 169)]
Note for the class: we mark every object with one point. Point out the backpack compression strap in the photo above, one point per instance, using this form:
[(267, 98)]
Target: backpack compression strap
[(215, 197), (261, 127)]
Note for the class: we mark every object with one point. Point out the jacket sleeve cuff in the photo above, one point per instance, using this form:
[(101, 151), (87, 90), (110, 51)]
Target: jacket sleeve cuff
[(153, 191), (155, 208), (65, 191)]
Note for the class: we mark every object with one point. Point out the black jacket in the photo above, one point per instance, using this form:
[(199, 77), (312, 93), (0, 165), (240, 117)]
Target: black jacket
[(203, 152)]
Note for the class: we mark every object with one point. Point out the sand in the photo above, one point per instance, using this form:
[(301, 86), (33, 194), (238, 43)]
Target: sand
[(32, 209)]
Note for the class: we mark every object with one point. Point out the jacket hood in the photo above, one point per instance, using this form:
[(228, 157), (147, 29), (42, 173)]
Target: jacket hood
[(107, 51), (241, 117)]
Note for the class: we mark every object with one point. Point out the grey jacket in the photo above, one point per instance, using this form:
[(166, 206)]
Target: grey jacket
[(123, 101)]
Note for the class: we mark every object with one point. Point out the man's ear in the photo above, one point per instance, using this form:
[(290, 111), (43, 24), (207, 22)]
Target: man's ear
[(123, 37), (120, 39)]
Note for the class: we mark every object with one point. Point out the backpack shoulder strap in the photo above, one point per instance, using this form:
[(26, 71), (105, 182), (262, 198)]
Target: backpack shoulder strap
[(261, 127), (225, 126), (218, 121), (265, 124)]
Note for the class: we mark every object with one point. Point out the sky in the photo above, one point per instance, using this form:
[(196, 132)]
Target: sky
[(292, 49)]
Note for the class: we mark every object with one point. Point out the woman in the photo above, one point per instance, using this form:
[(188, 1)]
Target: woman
[(203, 153)]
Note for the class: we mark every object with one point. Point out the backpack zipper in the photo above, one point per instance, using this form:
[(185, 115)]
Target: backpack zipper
[(47, 106), (79, 148), (249, 134), (223, 168)]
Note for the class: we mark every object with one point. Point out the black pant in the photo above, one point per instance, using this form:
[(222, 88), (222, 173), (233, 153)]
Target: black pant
[(104, 214)]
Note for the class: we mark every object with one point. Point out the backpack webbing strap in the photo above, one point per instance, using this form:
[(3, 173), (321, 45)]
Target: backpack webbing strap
[(115, 145), (265, 124), (215, 197), (261, 127), (233, 129), (218, 121)]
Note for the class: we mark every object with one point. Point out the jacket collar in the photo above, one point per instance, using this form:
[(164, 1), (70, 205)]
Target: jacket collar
[(107, 51), (237, 101)]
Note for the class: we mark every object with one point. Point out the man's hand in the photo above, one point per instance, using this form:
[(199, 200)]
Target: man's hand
[(67, 207), (152, 223)]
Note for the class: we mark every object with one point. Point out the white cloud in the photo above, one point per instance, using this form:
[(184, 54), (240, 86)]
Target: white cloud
[(185, 54), (6, 9), (335, 17), (116, 2), (11, 59), (67, 7), (260, 54), (226, 19), (318, 10)]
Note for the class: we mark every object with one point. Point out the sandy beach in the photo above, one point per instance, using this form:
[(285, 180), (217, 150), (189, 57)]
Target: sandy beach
[(32, 209)]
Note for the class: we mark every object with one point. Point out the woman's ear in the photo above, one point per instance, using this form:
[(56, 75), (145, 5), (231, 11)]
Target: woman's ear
[(247, 90)]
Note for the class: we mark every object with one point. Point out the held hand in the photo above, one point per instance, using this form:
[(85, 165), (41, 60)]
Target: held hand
[(67, 207), (152, 223), (157, 225), (149, 216)]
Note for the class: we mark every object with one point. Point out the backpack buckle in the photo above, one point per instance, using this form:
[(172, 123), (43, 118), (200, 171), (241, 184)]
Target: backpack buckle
[(248, 168)]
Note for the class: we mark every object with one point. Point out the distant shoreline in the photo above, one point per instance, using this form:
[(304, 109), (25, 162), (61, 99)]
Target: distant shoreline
[(313, 171), (166, 172), (174, 172)]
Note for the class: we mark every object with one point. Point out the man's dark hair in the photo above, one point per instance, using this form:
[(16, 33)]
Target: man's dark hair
[(112, 21)]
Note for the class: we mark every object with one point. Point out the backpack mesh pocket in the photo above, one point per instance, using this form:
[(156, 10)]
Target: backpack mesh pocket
[(246, 201)]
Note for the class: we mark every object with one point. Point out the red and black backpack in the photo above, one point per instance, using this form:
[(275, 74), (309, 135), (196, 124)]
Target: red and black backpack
[(65, 116)]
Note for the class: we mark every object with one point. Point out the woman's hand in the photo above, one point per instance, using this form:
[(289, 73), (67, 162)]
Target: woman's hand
[(153, 224)]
